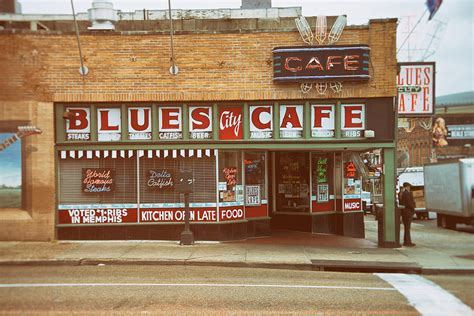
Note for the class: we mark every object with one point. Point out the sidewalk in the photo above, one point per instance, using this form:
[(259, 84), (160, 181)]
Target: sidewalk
[(437, 251)]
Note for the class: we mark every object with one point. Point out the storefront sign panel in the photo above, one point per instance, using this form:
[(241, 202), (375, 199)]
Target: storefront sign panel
[(78, 124), (139, 123), (460, 131), (200, 122), (168, 215), (352, 120), (291, 121), (261, 121), (98, 180), (160, 179), (109, 124), (416, 84), (97, 216), (352, 204), (231, 213), (325, 63), (230, 123), (323, 118), (170, 123)]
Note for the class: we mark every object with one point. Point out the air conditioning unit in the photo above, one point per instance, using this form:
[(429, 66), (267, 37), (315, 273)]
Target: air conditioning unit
[(102, 15)]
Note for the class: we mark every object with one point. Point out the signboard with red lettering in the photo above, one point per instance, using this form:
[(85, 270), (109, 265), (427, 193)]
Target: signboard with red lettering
[(352, 120), (323, 119), (109, 124), (291, 121), (352, 204), (416, 89), (139, 123), (261, 121), (323, 63), (200, 122), (78, 125), (170, 124), (230, 123)]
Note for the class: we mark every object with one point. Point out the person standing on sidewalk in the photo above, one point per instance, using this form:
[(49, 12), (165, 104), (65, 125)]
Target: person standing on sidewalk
[(408, 211)]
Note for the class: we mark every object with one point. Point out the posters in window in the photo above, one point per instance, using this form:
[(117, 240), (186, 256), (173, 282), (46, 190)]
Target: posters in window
[(252, 195)]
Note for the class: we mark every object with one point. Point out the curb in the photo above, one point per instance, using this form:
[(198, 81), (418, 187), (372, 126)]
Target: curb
[(316, 265)]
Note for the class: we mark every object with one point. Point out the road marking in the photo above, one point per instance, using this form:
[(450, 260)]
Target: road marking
[(427, 297), (20, 285)]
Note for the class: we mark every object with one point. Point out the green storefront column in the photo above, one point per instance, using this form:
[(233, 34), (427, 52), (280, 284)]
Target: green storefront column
[(390, 222)]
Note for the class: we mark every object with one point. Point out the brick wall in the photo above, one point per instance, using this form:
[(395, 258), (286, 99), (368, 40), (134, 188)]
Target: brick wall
[(232, 66)]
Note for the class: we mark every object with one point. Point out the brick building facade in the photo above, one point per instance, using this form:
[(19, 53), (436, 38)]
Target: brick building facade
[(220, 61)]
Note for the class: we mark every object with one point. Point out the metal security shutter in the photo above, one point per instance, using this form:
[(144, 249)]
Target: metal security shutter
[(70, 181), (125, 180), (204, 174)]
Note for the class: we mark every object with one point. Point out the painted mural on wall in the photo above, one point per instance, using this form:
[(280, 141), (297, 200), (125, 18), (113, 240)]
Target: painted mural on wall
[(10, 173)]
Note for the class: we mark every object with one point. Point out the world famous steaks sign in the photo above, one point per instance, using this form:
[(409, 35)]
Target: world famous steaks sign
[(321, 63)]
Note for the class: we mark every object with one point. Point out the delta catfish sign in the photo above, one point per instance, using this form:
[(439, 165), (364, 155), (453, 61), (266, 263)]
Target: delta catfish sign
[(230, 122)]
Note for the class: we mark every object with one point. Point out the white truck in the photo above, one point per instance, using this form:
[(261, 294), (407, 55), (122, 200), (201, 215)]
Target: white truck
[(449, 191)]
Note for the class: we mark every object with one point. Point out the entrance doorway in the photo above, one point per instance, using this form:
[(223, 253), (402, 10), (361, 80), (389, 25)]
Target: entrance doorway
[(292, 188)]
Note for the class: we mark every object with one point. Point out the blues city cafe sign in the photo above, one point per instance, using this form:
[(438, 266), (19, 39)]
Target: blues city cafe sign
[(231, 123), (416, 89), (321, 63)]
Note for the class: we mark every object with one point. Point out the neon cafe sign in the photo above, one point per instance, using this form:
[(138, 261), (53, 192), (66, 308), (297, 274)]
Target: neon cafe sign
[(230, 124)]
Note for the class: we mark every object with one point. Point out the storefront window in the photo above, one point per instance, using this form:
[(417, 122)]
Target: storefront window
[(322, 181), (10, 171), (158, 179), (292, 177), (352, 184), (230, 177)]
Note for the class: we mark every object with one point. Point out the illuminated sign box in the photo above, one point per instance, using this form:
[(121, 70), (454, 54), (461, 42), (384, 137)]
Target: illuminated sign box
[(322, 63), (416, 89)]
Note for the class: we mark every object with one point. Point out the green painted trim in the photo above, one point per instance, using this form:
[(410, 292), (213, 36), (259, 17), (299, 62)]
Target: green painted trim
[(246, 121), (215, 122), (60, 123), (276, 120), (278, 145), (185, 118), (124, 122), (307, 120), (338, 123), (94, 132), (389, 195), (154, 122)]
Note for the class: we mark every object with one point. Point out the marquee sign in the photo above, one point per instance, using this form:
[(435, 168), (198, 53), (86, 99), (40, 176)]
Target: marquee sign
[(416, 84), (230, 122), (322, 63)]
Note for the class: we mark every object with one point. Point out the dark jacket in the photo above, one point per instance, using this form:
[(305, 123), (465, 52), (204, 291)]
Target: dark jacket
[(408, 201)]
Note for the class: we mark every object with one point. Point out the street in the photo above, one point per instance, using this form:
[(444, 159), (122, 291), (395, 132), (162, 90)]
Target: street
[(209, 290)]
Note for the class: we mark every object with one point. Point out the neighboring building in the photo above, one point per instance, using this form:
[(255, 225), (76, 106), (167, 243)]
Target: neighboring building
[(263, 153), (457, 111), (416, 145)]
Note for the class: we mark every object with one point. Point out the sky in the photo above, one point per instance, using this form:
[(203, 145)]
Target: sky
[(452, 48)]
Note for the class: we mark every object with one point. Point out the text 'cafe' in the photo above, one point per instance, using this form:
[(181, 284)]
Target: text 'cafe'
[(293, 165)]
